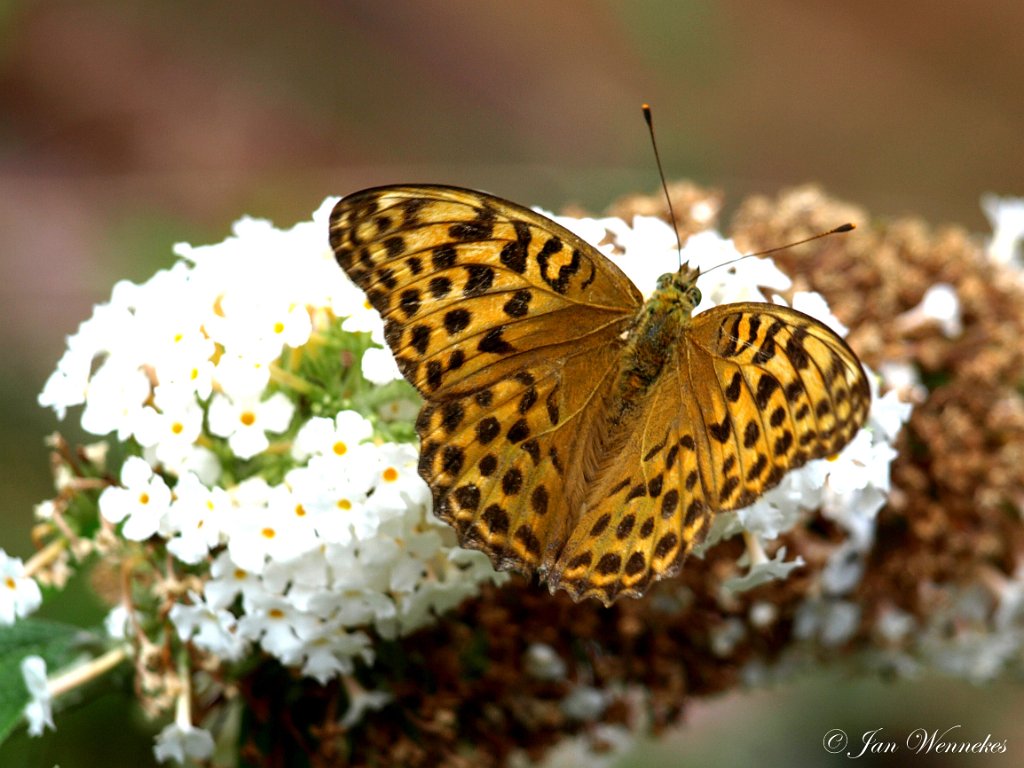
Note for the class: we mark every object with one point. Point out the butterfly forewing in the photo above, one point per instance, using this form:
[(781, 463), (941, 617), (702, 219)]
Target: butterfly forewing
[(471, 287)]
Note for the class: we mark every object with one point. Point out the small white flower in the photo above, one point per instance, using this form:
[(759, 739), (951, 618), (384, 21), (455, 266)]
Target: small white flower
[(141, 502), (245, 421), (858, 483), (185, 363), (304, 577), (279, 530), (893, 624), (602, 233), (239, 376), (210, 628), (256, 323), (646, 249), (814, 304), (939, 305), (333, 438), (1006, 215), (856, 465), (399, 410), (69, 383), (333, 494), (762, 570), (745, 280), (361, 701), (172, 427), (277, 625), (763, 614), (904, 384), (201, 462), (398, 485), (329, 650), (115, 398), (359, 314), (228, 581), (38, 711), (19, 594), (196, 518), (181, 741), (118, 623), (844, 569), (379, 366)]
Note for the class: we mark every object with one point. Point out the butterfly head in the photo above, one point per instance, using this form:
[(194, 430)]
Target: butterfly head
[(680, 289)]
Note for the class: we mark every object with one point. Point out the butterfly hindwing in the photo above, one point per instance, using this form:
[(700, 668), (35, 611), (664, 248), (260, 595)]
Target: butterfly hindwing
[(795, 390), (649, 506), (497, 459)]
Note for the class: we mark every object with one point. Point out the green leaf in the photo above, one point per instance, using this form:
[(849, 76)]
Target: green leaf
[(53, 641)]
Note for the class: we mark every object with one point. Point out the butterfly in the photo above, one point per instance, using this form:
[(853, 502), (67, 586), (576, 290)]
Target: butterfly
[(569, 428)]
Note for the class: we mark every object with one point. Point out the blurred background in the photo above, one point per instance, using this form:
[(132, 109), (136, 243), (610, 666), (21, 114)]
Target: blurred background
[(128, 126)]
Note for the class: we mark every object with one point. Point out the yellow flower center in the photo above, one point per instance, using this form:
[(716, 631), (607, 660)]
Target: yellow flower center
[(10, 583), (340, 448), (248, 418), (344, 504), (390, 474), (177, 427), (268, 533), (143, 498)]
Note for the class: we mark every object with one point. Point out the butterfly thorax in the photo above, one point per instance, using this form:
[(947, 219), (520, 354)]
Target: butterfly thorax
[(654, 339)]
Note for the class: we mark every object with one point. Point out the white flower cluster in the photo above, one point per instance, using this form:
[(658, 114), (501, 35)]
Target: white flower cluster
[(302, 544)]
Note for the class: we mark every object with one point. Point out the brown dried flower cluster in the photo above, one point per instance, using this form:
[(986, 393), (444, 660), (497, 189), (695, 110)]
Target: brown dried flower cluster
[(464, 693), (959, 478)]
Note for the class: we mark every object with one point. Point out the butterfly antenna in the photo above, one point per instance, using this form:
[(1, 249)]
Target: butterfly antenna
[(841, 228), (664, 185), (837, 230)]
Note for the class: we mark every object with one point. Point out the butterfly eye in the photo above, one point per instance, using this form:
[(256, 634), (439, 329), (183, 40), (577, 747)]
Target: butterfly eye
[(695, 295)]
